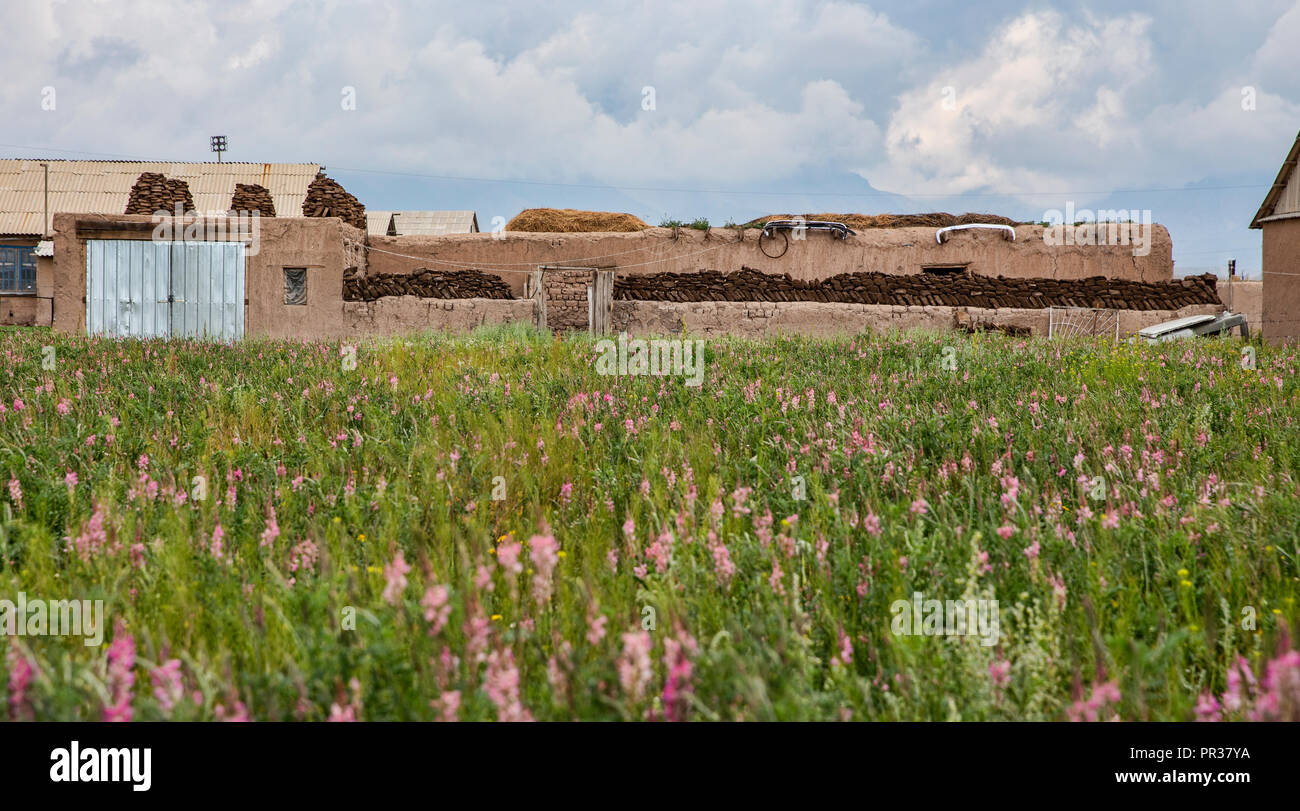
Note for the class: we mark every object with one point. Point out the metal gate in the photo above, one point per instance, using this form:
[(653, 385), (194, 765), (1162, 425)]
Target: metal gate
[(1091, 322), (141, 289)]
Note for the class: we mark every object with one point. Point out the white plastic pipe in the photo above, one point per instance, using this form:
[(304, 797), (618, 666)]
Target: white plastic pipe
[(938, 235)]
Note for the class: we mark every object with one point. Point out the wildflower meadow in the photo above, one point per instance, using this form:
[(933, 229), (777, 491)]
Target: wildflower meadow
[(486, 528)]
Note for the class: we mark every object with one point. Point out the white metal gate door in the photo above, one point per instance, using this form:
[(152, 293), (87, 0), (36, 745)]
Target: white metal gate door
[(207, 286), (141, 289), (126, 288)]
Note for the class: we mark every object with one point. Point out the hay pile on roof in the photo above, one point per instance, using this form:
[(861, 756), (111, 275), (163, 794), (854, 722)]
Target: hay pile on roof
[(933, 220), (571, 220)]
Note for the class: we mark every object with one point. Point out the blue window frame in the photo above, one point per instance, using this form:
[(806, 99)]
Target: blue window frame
[(17, 270)]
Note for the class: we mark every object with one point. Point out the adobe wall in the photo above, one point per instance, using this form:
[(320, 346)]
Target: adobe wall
[(1282, 281), (759, 319), (566, 298), (1247, 299), (395, 315), (316, 244), (887, 250), (19, 311), (291, 242), (30, 310)]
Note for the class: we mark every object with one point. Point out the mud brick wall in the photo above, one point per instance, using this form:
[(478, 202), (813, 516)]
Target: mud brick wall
[(949, 290), (566, 298), (405, 315), (355, 255), (425, 283)]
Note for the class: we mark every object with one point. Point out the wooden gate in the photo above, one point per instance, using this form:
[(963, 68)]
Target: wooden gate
[(600, 302)]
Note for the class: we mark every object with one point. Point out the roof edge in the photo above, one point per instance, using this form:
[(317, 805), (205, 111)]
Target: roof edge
[(1275, 191)]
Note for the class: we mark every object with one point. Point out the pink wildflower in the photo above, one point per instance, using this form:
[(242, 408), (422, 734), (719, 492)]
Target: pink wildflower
[(395, 579)]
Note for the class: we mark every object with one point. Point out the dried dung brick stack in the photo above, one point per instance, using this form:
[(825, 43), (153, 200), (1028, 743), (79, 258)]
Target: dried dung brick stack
[(921, 289), (424, 283), (326, 198), (154, 191), (250, 197)]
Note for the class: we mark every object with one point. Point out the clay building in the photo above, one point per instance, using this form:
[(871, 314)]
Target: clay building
[(1279, 219)]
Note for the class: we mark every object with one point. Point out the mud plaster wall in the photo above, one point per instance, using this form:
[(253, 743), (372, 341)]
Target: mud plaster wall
[(312, 243), (1247, 299), (1282, 281), (885, 250), (758, 319)]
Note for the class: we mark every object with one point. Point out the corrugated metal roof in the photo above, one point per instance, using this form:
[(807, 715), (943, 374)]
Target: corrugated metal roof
[(434, 223), (377, 222), (103, 187)]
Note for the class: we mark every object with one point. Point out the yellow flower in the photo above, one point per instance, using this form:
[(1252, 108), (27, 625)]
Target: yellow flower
[(1277, 611), (563, 554), (337, 519), (1182, 573), (361, 537), (373, 569), (496, 617), (1187, 584)]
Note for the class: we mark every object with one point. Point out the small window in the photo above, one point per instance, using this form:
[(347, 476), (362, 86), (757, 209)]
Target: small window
[(17, 270), (295, 286), (957, 270)]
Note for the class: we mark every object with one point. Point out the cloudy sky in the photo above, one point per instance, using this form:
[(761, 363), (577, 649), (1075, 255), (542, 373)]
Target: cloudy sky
[(1183, 107)]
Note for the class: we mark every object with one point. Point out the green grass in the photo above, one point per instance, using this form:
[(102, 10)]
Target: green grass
[(1145, 586)]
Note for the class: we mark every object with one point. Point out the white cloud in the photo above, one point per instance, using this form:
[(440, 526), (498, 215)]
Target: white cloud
[(260, 51), (1050, 101), (1060, 86)]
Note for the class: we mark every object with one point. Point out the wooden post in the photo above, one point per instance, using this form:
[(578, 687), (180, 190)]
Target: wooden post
[(600, 302), (539, 293)]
